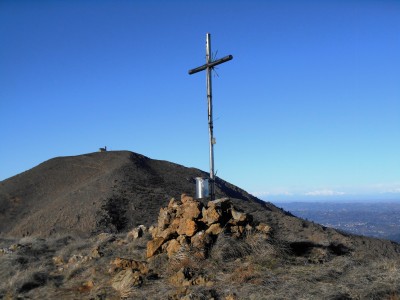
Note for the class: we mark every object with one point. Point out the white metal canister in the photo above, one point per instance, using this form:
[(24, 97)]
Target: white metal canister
[(201, 188)]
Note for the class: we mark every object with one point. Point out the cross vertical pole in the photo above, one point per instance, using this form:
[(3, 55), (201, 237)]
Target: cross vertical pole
[(208, 66), (210, 116)]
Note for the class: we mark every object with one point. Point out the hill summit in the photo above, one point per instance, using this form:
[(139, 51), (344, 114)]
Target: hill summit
[(102, 191), (118, 224)]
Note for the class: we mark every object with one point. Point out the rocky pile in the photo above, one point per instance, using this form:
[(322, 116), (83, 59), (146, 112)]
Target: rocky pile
[(185, 228), (202, 250), (188, 225)]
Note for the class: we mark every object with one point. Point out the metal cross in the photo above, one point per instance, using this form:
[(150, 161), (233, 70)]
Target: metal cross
[(209, 66)]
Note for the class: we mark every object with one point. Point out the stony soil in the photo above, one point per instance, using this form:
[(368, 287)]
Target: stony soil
[(69, 229)]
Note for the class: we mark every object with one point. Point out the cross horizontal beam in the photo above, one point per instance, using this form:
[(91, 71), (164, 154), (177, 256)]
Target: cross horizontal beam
[(211, 64)]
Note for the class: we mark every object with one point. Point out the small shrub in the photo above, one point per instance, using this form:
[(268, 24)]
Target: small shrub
[(33, 281), (159, 263), (74, 271), (244, 274), (184, 258), (228, 248)]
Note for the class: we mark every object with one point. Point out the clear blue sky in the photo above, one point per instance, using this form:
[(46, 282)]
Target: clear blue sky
[(309, 108)]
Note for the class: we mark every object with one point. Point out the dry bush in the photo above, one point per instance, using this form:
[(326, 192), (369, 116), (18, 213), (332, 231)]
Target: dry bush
[(254, 247), (34, 247), (245, 274), (159, 263), (228, 248), (251, 267), (202, 293), (266, 253), (27, 267), (26, 280), (136, 248), (74, 271), (380, 279), (8, 269), (185, 258), (156, 290), (74, 246)]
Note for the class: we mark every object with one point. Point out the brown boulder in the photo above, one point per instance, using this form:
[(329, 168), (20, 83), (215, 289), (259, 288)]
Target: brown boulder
[(168, 233), (173, 247), (222, 203), (125, 281), (86, 286), (187, 227), (58, 260), (124, 263), (164, 218), (211, 215), (96, 253), (153, 246), (264, 228), (153, 231), (237, 230), (216, 211), (185, 198), (173, 204), (186, 277), (175, 224), (200, 240), (183, 240), (237, 216), (182, 277), (191, 210), (136, 232), (214, 229), (202, 280)]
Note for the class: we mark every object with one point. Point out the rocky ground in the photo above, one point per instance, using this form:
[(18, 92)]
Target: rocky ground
[(104, 226), (194, 250)]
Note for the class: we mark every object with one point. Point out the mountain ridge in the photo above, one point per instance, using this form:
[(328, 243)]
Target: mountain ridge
[(115, 191), (103, 185), (65, 221)]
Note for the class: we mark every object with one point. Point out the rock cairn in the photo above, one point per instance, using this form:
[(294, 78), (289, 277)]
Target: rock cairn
[(185, 234), (189, 225)]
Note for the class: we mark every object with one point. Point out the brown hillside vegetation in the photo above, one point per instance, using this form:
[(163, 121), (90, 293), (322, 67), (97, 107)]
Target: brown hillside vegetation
[(103, 226), (104, 191)]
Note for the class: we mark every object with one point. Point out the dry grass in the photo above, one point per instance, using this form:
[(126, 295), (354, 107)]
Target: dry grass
[(228, 248), (249, 268)]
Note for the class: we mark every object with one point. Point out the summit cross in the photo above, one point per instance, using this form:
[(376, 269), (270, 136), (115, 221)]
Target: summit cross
[(208, 66)]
